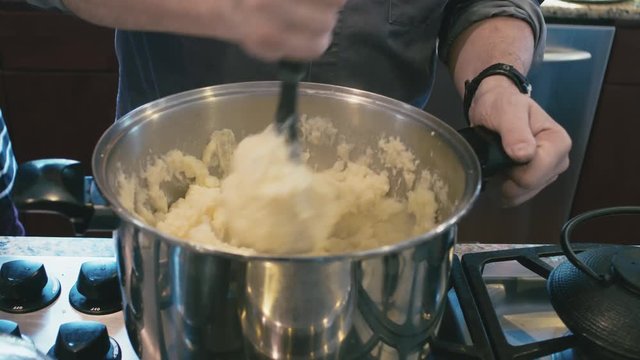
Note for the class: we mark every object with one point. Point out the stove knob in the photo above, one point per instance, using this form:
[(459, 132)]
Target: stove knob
[(97, 291), (22, 279), (9, 328), (84, 340), (25, 287)]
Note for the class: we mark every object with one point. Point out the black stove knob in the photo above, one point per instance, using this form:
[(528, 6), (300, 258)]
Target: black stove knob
[(9, 328), (97, 291), (22, 279), (84, 340), (25, 287)]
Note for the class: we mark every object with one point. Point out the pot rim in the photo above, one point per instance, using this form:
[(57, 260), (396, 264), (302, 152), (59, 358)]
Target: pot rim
[(151, 110)]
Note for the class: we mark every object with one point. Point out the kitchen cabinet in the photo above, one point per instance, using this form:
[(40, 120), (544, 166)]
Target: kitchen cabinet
[(59, 78), (59, 126), (58, 83), (611, 170)]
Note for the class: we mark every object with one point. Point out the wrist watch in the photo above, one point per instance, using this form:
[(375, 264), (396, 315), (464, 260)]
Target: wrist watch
[(470, 86)]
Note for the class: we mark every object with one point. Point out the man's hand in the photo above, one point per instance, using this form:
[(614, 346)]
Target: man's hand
[(268, 29), (276, 29), (529, 135)]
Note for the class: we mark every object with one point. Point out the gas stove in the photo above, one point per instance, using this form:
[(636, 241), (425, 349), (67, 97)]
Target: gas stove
[(497, 308)]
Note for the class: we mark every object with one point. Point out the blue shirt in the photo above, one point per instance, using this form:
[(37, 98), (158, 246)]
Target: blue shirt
[(387, 47)]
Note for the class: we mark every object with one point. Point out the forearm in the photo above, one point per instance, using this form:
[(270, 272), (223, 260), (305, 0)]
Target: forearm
[(154, 15), (494, 40), (267, 29), (528, 134)]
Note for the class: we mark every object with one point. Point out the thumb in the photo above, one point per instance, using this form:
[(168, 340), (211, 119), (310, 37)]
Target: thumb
[(518, 140)]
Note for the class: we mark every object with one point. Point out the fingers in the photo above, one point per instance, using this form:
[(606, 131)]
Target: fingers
[(517, 138), (514, 195), (529, 136), (499, 106), (550, 160), (271, 45), (292, 29)]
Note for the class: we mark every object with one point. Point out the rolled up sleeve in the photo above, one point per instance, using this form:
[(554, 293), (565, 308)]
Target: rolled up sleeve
[(460, 14)]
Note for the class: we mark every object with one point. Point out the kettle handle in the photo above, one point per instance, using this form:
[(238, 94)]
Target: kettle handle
[(59, 186), (567, 229)]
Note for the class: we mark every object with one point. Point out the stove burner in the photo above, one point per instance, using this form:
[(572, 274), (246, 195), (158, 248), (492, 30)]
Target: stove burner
[(25, 287), (84, 340), (97, 291), (532, 259)]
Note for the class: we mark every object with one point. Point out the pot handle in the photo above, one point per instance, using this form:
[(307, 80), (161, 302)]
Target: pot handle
[(487, 145), (59, 186)]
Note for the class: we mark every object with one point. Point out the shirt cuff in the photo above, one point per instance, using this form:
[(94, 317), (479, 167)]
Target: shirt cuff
[(465, 13)]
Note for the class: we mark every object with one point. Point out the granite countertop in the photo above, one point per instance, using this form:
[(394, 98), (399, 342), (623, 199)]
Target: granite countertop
[(56, 246), (103, 247), (621, 10)]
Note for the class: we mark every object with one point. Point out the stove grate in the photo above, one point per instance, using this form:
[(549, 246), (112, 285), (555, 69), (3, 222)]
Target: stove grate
[(480, 348), (532, 258)]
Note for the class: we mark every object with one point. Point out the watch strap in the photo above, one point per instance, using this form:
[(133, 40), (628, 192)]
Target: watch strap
[(471, 86)]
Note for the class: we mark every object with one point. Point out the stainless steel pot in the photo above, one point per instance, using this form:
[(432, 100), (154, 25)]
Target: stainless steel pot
[(183, 301)]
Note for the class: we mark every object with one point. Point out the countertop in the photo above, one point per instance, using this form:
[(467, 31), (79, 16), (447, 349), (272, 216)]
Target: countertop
[(103, 247), (621, 10), (56, 246)]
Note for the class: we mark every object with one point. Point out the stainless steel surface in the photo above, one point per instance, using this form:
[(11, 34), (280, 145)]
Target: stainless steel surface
[(564, 54), (321, 317), (185, 122), (522, 304), (182, 303), (187, 301), (567, 85), (42, 326)]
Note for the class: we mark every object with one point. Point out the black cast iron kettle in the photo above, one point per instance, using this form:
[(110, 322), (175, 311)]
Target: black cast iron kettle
[(597, 293)]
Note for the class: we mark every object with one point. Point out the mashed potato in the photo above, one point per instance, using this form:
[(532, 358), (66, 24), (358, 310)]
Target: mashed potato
[(253, 196)]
